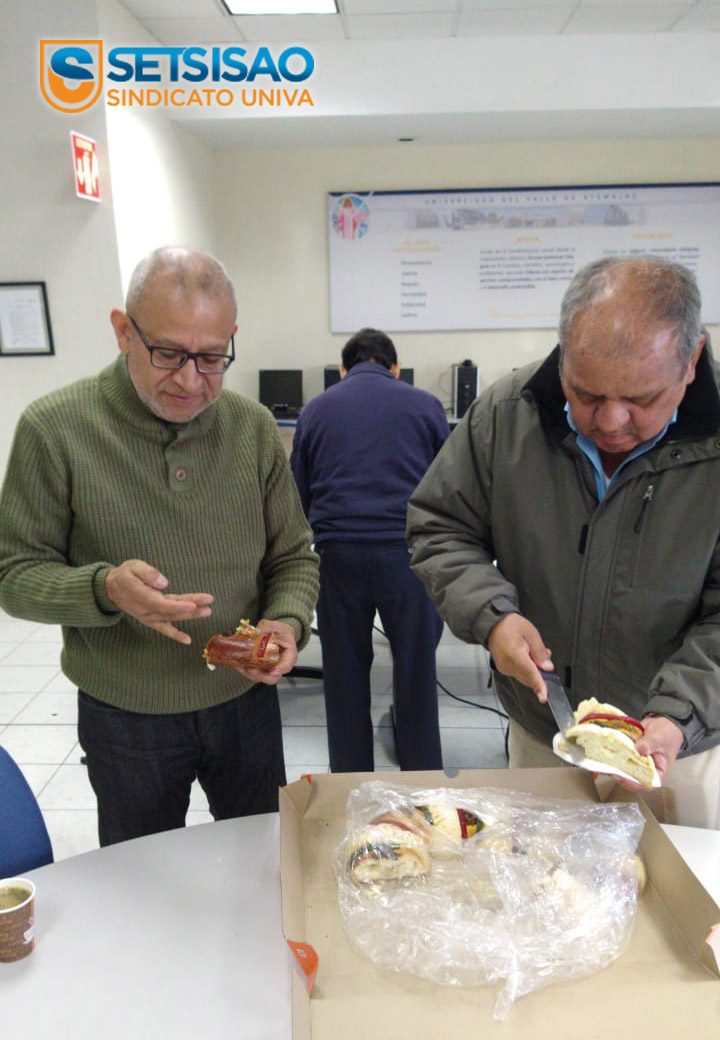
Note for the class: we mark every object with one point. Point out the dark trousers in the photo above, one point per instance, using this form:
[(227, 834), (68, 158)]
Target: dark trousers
[(141, 766), (356, 579)]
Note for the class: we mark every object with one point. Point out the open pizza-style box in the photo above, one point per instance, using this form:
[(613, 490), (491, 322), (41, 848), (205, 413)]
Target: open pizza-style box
[(665, 984)]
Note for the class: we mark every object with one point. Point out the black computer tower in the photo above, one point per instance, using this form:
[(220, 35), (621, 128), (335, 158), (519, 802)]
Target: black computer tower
[(465, 387)]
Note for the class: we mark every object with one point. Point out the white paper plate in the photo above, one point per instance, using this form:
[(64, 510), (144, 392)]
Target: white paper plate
[(573, 754)]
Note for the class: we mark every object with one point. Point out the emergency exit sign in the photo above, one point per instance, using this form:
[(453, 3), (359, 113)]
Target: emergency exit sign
[(85, 166)]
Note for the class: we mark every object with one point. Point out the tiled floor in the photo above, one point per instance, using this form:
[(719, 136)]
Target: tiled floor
[(38, 716)]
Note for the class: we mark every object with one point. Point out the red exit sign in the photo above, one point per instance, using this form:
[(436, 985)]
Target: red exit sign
[(85, 165)]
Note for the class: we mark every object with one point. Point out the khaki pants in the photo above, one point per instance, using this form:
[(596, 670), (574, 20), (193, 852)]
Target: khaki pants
[(691, 796)]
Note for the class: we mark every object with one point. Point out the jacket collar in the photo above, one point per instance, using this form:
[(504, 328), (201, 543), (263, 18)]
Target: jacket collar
[(698, 412)]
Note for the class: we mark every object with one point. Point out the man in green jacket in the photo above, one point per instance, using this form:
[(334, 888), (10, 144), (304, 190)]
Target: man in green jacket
[(572, 521), (145, 510)]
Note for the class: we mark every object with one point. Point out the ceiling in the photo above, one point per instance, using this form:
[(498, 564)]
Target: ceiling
[(461, 71), (176, 22)]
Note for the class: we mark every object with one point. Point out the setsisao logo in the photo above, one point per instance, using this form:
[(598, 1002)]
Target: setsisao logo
[(71, 75)]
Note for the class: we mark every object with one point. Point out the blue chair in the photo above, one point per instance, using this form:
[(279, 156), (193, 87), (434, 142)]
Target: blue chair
[(24, 840)]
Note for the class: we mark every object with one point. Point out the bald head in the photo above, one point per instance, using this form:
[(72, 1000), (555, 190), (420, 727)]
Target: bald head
[(178, 273), (629, 297)]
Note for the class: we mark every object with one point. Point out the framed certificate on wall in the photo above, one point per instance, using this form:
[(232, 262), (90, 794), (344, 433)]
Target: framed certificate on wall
[(24, 320)]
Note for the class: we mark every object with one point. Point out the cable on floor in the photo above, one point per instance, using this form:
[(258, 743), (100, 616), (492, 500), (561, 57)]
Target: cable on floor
[(455, 697)]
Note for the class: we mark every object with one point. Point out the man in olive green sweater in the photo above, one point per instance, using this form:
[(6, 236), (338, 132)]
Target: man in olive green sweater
[(141, 506)]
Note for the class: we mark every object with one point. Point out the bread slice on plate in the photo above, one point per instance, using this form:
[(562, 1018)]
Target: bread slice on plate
[(603, 739)]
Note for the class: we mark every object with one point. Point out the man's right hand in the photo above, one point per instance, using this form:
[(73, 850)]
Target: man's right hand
[(138, 588), (518, 650)]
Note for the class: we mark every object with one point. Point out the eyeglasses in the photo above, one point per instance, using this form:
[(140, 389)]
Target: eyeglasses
[(172, 358)]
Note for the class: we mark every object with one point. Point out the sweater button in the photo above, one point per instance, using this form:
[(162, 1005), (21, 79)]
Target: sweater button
[(180, 473)]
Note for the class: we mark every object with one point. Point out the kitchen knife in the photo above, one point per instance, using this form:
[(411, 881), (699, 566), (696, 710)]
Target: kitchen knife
[(558, 702)]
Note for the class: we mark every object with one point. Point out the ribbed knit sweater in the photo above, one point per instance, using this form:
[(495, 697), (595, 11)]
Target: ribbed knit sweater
[(94, 478)]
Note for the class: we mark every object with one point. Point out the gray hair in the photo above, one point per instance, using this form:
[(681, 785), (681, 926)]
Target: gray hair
[(669, 289), (189, 269)]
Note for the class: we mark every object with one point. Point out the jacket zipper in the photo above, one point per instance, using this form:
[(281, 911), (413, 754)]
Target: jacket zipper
[(646, 500)]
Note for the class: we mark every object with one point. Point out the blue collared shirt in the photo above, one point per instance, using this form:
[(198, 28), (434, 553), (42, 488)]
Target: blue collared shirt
[(590, 448)]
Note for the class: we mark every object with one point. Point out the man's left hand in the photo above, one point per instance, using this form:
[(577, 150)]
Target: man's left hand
[(284, 636), (661, 740)]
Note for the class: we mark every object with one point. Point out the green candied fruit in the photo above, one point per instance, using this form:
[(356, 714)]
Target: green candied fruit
[(374, 850)]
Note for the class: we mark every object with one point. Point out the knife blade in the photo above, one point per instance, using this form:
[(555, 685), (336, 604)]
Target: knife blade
[(558, 701)]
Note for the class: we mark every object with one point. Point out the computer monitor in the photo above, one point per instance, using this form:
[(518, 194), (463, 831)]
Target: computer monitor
[(331, 376), (281, 390)]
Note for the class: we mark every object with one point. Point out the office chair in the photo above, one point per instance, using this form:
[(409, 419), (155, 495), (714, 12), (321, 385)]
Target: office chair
[(24, 840)]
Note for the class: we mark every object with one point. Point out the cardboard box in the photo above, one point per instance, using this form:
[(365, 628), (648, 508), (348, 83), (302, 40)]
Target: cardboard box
[(666, 983)]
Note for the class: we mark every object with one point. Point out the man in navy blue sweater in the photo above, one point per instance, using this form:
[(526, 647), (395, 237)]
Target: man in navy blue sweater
[(360, 449)]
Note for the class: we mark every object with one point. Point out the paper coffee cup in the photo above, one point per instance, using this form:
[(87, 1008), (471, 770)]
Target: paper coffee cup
[(17, 918)]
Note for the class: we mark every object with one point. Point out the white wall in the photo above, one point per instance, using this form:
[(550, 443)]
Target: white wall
[(162, 176), (47, 233), (160, 192), (273, 239)]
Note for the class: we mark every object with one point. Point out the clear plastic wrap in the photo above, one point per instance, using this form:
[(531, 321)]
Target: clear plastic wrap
[(486, 885)]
